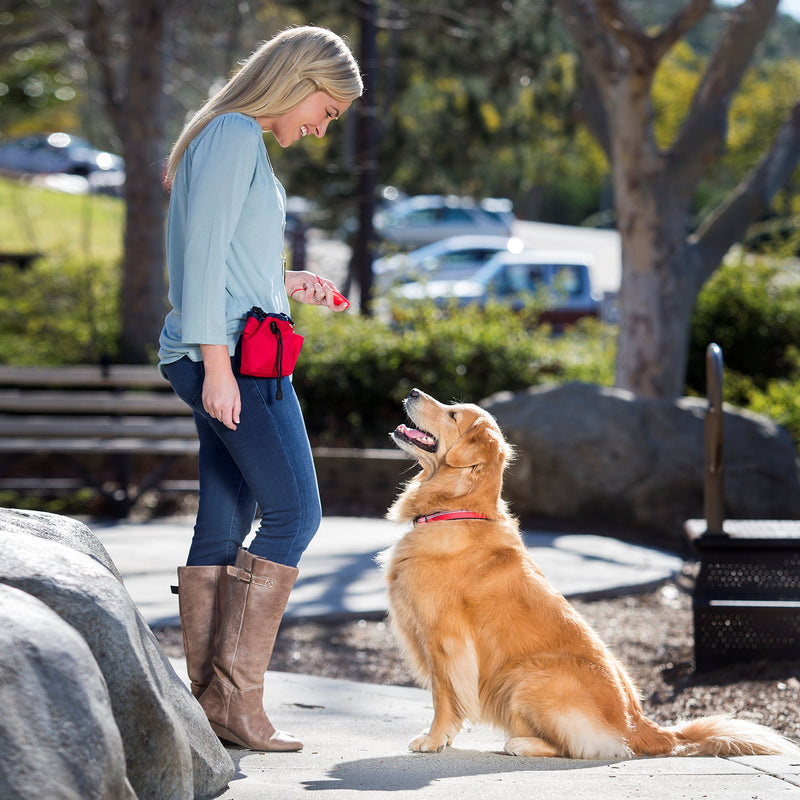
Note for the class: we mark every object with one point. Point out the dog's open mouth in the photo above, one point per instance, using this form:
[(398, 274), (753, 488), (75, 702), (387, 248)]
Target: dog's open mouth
[(419, 438)]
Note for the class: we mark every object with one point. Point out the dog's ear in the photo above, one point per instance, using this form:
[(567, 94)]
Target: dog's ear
[(480, 444)]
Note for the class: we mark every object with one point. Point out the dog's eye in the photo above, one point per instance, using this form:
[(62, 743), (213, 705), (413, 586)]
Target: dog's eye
[(452, 415)]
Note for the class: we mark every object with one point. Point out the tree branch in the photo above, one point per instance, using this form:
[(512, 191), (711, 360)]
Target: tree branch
[(583, 24), (616, 18), (702, 137), (678, 26), (644, 49), (613, 45), (591, 110), (751, 198), (597, 56)]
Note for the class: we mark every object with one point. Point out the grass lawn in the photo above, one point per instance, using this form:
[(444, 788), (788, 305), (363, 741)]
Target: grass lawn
[(64, 308), (58, 225)]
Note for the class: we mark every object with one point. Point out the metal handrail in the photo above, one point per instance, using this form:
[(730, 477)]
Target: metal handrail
[(713, 478)]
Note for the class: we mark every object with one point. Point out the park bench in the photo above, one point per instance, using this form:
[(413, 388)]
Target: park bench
[(121, 431), (116, 429), (746, 600)]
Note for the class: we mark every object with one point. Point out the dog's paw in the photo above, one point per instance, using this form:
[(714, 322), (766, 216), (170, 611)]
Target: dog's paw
[(425, 743), (531, 747)]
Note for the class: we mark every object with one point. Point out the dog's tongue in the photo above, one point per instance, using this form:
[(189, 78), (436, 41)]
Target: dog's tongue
[(416, 435)]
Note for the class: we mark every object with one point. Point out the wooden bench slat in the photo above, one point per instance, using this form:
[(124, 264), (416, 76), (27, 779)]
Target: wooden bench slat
[(119, 431), (38, 485), (36, 445), (106, 427), (36, 401), (49, 486), (116, 375)]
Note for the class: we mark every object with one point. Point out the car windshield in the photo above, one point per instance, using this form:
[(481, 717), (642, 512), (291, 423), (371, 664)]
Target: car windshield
[(568, 280), (565, 280), (477, 255), (459, 258), (449, 214), (430, 215)]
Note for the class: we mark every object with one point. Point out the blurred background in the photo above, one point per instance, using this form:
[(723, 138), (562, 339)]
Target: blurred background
[(469, 205)]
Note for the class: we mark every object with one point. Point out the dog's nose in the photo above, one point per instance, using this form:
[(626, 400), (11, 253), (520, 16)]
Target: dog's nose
[(414, 393)]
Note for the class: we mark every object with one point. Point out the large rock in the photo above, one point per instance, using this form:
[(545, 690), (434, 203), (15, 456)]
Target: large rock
[(57, 528), (603, 455), (170, 750), (58, 734)]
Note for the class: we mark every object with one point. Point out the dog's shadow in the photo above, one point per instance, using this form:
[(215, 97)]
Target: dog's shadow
[(414, 771)]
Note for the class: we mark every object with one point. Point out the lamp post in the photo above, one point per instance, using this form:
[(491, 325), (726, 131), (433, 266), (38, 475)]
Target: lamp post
[(367, 157)]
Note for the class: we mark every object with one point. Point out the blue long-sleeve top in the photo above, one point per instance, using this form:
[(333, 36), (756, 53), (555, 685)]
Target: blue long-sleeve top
[(224, 238)]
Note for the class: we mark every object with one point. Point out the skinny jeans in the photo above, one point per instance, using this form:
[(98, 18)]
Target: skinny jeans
[(264, 465)]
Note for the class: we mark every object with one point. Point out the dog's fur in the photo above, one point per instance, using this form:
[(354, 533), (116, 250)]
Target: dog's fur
[(481, 626)]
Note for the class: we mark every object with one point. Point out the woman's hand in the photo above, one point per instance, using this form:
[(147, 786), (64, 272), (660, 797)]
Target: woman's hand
[(221, 397), (308, 287)]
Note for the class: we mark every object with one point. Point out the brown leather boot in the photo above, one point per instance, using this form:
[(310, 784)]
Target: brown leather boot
[(201, 592), (257, 595)]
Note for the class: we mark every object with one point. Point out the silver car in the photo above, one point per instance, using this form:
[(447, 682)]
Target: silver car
[(451, 258), (561, 279), (65, 154), (423, 219)]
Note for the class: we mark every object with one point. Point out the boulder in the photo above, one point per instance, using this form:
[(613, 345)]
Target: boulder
[(605, 456), (57, 528), (58, 735), (170, 749)]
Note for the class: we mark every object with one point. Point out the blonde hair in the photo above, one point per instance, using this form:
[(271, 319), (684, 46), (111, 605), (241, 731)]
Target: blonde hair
[(279, 75)]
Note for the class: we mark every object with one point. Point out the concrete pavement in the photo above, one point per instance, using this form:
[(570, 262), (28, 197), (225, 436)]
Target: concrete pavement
[(338, 575), (356, 737), (356, 734)]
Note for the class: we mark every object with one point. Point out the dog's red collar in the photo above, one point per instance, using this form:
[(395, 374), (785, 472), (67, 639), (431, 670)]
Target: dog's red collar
[(444, 515)]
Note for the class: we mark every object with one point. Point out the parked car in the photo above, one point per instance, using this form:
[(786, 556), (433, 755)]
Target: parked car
[(561, 279), (451, 258), (63, 153), (423, 219)]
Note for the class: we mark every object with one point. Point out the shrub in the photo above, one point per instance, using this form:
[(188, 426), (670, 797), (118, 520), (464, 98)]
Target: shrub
[(354, 372), (779, 399), (58, 312), (749, 308)]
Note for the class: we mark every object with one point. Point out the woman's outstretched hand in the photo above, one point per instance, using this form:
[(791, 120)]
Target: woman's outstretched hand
[(308, 287)]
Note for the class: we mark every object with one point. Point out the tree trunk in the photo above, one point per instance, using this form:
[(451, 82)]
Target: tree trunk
[(143, 298), (664, 265), (133, 88), (652, 345)]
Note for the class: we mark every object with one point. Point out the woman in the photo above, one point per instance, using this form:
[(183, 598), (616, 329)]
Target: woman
[(224, 255)]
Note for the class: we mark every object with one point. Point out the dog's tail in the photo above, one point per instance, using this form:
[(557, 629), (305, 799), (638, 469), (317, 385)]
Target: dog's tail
[(721, 735), (726, 736)]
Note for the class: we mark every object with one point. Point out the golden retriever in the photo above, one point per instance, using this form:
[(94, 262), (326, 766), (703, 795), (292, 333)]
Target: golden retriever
[(483, 629)]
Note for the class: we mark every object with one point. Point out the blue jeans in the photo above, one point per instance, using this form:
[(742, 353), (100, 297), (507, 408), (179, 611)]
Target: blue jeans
[(265, 463)]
